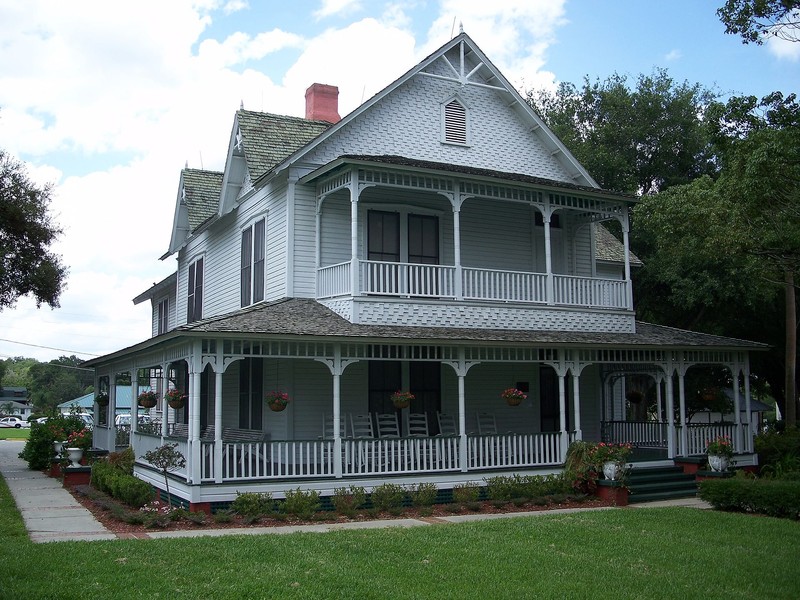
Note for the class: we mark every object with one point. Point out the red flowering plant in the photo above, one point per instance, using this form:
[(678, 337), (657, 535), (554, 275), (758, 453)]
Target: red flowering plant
[(79, 439), (402, 399), (720, 446), (277, 399), (513, 396), (175, 396), (603, 452)]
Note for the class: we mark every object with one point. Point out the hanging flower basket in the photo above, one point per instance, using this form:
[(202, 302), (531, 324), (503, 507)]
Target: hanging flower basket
[(402, 399), (634, 396), (175, 398), (102, 399), (277, 401), (513, 396), (147, 399)]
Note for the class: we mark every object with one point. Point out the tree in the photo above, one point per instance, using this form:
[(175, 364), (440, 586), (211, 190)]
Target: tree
[(639, 140), (166, 458), (58, 381), (27, 266), (758, 20)]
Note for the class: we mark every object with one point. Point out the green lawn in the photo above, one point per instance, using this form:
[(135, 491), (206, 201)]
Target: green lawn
[(10, 433), (626, 553)]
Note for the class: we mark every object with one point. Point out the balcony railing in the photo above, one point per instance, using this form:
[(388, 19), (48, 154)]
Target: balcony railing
[(378, 278)]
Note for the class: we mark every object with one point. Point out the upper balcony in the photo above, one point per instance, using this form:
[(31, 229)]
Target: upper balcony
[(449, 282)]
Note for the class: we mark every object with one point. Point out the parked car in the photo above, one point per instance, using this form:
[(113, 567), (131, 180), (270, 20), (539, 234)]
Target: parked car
[(124, 420), (15, 422)]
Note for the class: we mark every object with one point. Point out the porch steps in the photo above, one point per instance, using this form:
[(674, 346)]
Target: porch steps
[(647, 484)]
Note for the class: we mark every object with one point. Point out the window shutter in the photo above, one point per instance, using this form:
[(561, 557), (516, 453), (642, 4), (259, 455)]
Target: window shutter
[(455, 123)]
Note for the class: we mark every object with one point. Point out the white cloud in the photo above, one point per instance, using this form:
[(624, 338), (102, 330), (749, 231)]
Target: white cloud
[(784, 49), (336, 7), (673, 55)]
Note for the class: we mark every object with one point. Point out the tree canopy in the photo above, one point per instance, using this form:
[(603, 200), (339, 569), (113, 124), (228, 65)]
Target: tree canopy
[(757, 20), (58, 381), (27, 265)]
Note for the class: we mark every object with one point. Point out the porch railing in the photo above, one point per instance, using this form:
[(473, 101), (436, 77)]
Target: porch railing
[(514, 450), (639, 433), (263, 460), (698, 435), (145, 442), (399, 455), (439, 281), (589, 291)]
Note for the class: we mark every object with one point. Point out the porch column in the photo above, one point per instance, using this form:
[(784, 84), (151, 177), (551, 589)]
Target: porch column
[(193, 467), (684, 446), (218, 373), (659, 399), (111, 414), (626, 246), (576, 400), (737, 416), (134, 407), (337, 421), (458, 283), (462, 423), (354, 278), (747, 409), (670, 415), (165, 412), (562, 413), (548, 256)]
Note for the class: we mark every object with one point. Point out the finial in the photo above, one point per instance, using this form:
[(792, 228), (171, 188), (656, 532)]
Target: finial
[(241, 104), (187, 164), (460, 27)]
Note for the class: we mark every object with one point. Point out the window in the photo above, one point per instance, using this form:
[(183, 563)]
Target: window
[(163, 316), (194, 308), (383, 236), (253, 263), (251, 393), (455, 123)]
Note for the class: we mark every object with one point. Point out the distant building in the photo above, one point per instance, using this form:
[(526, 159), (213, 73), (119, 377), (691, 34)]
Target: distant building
[(14, 401)]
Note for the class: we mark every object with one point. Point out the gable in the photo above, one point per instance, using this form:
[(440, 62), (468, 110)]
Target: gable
[(198, 200), (410, 118)]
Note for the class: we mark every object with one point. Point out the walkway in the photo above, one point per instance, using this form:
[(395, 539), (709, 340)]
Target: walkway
[(51, 514)]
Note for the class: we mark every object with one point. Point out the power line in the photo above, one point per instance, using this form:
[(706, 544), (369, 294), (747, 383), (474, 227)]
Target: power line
[(48, 347)]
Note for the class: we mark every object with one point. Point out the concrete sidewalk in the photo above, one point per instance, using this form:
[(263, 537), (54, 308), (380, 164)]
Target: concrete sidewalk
[(50, 512)]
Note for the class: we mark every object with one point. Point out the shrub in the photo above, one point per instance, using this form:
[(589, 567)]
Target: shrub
[(776, 446), (466, 493), (424, 494), (252, 506), (301, 503), (133, 491), (123, 461), (388, 497), (774, 498), (502, 488), (38, 450), (347, 501)]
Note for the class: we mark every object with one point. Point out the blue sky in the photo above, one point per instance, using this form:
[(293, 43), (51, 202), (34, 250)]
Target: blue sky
[(109, 101)]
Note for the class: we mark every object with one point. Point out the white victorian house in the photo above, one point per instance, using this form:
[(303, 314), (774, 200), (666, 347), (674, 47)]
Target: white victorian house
[(440, 240)]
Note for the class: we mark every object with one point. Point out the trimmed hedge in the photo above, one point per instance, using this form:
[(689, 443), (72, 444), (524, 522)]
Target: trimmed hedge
[(118, 484), (771, 497)]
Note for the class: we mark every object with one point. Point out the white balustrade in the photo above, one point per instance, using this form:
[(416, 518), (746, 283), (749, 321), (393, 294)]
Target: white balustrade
[(514, 450), (698, 436), (510, 286), (399, 455), (406, 279), (639, 433), (590, 291), (146, 442), (333, 280)]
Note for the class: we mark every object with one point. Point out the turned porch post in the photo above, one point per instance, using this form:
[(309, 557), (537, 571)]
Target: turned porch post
[(195, 371), (548, 256), (576, 401), (134, 407), (459, 282), (670, 415), (738, 443), (219, 371), (684, 445), (165, 411), (354, 274), (111, 413), (627, 249)]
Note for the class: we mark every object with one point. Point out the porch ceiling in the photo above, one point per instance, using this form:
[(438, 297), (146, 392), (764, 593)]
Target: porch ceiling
[(308, 318)]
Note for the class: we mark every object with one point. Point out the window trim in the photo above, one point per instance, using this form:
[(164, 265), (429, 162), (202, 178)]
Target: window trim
[(194, 293), (162, 325), (253, 264)]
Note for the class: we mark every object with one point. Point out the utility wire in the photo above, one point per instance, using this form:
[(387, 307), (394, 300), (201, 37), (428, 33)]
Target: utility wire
[(48, 347)]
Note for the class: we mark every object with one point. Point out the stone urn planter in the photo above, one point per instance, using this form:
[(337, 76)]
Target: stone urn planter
[(58, 447), (612, 470), (75, 455), (718, 463)]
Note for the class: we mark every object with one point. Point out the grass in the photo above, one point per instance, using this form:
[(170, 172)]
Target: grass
[(10, 433), (628, 553)]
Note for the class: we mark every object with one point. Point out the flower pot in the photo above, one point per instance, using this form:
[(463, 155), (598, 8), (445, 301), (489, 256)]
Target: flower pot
[(147, 403), (276, 406), (718, 463), (58, 447), (401, 403), (514, 401), (102, 400), (75, 455), (177, 403), (612, 470)]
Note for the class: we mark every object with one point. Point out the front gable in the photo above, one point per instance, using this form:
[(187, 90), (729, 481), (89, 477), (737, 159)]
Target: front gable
[(197, 202)]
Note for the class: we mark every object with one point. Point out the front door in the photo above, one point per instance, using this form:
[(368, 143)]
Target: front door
[(423, 249), (425, 382), (548, 400)]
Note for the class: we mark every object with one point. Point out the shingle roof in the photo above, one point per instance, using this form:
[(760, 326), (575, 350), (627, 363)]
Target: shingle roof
[(306, 317), (268, 139), (202, 191), (608, 248)]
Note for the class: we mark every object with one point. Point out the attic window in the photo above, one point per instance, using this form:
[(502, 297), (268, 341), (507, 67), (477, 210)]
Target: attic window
[(455, 123)]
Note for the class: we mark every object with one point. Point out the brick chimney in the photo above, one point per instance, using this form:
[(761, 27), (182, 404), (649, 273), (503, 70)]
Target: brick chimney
[(322, 103)]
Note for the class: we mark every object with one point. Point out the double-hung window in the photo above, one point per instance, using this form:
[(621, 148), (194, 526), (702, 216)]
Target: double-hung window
[(194, 308), (163, 316), (253, 263)]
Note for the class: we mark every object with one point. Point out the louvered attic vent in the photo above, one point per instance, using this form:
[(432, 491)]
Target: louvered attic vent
[(455, 123)]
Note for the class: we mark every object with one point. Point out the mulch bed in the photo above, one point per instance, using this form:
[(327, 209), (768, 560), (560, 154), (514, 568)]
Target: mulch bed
[(100, 505)]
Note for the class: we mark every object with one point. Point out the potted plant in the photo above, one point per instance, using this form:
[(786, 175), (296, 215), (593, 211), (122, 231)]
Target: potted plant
[(513, 396), (402, 399), (720, 452), (147, 399), (175, 398), (102, 399), (610, 458), (77, 443), (277, 400)]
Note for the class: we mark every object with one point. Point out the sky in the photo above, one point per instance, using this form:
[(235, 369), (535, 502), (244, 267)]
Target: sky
[(108, 101)]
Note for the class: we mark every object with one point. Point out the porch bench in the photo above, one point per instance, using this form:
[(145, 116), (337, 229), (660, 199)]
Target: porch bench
[(232, 434)]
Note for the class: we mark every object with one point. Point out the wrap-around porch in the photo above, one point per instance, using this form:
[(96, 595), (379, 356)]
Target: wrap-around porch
[(303, 445)]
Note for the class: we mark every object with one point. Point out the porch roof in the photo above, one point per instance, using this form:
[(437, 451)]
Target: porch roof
[(307, 317)]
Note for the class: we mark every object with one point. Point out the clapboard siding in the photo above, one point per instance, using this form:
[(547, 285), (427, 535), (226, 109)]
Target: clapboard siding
[(497, 235), (335, 225), (303, 255)]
